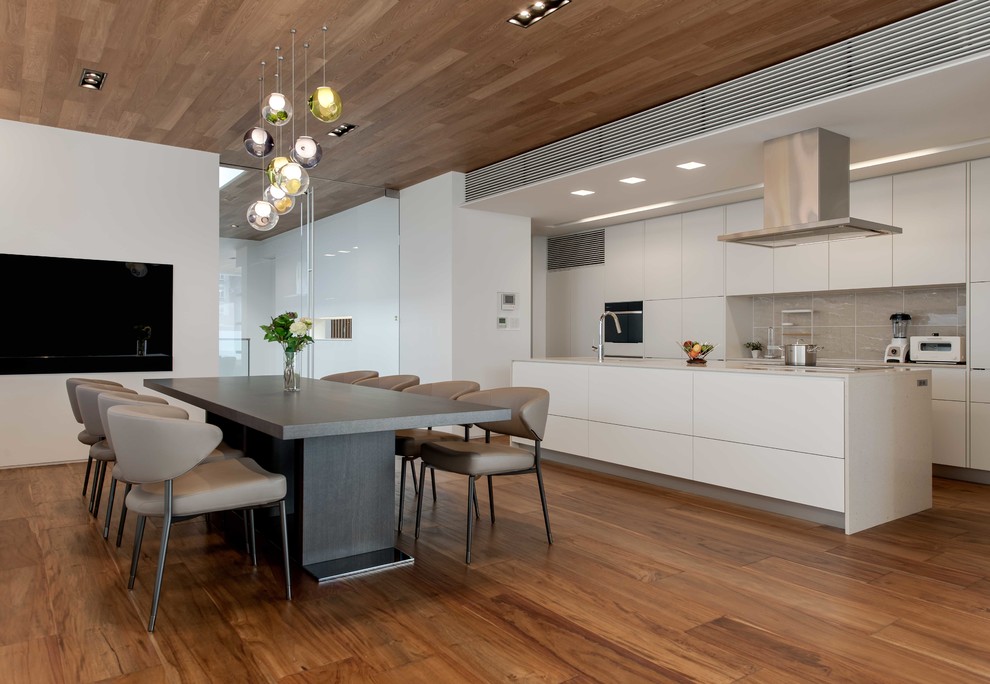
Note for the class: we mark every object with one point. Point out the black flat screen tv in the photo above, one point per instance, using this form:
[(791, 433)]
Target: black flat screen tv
[(84, 315)]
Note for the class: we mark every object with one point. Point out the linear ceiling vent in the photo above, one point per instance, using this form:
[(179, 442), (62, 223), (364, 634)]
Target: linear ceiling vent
[(580, 249), (939, 36)]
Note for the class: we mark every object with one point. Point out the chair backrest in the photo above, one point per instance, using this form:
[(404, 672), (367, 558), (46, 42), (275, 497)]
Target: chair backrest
[(529, 410), (391, 382), (108, 399), (449, 389), (152, 445), (89, 408), (350, 377), (70, 387)]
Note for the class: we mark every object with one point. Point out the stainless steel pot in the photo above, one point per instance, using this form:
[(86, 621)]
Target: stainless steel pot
[(801, 354)]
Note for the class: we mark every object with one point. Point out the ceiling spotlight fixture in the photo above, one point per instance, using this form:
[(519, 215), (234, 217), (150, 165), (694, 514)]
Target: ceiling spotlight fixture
[(536, 11), (342, 130), (583, 193), (92, 79), (632, 180), (690, 165)]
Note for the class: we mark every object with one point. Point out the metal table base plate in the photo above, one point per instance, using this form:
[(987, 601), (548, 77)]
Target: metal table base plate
[(373, 561)]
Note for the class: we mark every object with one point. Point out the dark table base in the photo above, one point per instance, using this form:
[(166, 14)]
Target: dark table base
[(372, 561)]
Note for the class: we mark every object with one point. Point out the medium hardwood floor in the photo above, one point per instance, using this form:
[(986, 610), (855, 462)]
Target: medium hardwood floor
[(641, 584)]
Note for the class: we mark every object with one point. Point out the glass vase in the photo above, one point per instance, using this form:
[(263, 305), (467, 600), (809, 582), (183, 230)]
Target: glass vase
[(290, 374)]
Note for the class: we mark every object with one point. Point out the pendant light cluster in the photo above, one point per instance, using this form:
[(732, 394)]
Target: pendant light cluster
[(286, 176)]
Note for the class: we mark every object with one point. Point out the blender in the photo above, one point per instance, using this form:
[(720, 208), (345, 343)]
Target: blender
[(897, 350)]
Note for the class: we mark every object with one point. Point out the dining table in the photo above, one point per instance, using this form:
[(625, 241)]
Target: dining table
[(335, 444)]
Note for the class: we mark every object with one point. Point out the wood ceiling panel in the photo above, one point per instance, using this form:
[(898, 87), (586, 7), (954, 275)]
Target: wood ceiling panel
[(433, 86)]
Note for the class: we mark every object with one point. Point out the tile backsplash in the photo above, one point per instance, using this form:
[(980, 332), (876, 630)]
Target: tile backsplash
[(856, 325)]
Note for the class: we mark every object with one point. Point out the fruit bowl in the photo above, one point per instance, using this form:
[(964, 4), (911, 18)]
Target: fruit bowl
[(696, 351)]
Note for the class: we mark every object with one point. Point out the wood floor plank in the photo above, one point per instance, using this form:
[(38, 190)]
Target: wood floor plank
[(34, 661), (24, 600)]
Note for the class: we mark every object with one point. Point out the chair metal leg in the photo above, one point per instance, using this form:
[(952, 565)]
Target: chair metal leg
[(253, 543), (285, 550), (123, 514), (433, 482), (113, 492), (92, 486), (138, 538), (412, 469), (89, 468), (166, 528), (491, 499), (247, 536), (402, 489), (99, 489), (419, 497), (472, 496), (543, 498)]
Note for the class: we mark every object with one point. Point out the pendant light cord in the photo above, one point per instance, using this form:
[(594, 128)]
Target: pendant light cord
[(306, 87), (261, 112), (292, 93)]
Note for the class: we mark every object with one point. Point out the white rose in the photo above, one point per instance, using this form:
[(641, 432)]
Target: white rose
[(298, 328), (308, 321)]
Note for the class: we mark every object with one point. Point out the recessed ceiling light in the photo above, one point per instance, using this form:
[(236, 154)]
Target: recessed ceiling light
[(354, 247), (343, 251), (690, 165), (342, 130), (535, 12), (91, 79), (329, 255), (583, 193), (632, 180)]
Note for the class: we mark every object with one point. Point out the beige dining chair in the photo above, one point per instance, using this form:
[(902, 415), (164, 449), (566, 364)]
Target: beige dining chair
[(162, 453), (529, 407), (101, 452), (396, 383), (84, 437), (350, 377), (409, 442)]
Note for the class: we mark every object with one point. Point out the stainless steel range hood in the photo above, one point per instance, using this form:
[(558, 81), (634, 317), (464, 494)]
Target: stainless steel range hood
[(806, 193)]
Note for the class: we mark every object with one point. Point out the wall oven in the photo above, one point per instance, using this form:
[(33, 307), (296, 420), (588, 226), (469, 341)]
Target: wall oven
[(630, 315)]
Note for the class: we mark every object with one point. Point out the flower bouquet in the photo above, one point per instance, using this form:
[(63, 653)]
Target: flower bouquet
[(292, 332)]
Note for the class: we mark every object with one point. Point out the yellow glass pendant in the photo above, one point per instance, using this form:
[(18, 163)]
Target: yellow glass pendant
[(325, 104)]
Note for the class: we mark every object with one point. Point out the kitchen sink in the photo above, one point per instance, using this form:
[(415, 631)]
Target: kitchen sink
[(819, 369)]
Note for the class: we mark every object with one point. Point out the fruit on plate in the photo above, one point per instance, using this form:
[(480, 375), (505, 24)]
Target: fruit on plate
[(696, 348)]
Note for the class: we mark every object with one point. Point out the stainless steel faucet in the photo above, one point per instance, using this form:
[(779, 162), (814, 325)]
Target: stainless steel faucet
[(601, 333)]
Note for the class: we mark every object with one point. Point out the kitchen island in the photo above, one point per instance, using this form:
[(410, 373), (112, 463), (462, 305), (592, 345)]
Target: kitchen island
[(844, 445)]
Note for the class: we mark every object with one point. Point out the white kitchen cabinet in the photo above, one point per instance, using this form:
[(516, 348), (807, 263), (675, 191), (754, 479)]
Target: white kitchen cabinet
[(802, 268), (949, 384), (657, 452), (624, 262), (979, 325), (865, 262), (930, 207), (703, 320), (653, 399), (979, 436), (558, 313), (586, 303), (702, 255), (748, 269), (979, 384), (569, 435), (949, 433), (662, 328), (979, 220), (567, 385), (662, 240)]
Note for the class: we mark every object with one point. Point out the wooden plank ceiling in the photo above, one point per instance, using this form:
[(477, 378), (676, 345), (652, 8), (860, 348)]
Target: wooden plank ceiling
[(433, 86)]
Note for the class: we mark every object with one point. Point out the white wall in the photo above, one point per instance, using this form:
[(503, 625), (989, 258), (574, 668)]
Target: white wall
[(539, 280), (88, 196)]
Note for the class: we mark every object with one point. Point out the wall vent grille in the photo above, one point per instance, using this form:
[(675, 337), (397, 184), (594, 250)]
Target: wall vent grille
[(579, 249), (340, 328), (938, 36)]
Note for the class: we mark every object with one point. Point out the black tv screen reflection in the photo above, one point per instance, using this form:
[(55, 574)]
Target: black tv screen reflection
[(84, 315)]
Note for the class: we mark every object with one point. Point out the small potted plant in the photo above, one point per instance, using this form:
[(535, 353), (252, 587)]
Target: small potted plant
[(754, 348)]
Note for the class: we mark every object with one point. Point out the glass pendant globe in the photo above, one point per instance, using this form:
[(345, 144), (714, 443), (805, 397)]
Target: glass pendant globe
[(258, 142), (325, 104), (306, 152), (277, 109), (262, 215), (293, 179), (271, 171), (277, 197)]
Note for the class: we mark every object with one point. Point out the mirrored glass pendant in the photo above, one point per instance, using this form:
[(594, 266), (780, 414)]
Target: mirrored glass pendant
[(258, 142), (262, 215), (276, 196), (273, 168), (325, 104), (277, 109), (306, 152), (293, 179)]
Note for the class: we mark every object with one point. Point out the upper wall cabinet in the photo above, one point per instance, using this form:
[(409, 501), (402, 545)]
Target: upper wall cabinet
[(748, 269), (802, 268), (702, 255), (979, 220), (930, 207), (865, 262), (624, 262), (663, 258)]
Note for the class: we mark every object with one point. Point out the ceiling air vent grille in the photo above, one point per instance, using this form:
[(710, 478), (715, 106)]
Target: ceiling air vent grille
[(936, 37), (580, 249)]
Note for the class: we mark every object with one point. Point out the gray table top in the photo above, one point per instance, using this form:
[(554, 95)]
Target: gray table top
[(321, 407)]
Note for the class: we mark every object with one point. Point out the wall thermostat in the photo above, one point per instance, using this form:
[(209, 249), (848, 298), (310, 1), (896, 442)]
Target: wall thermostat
[(507, 301)]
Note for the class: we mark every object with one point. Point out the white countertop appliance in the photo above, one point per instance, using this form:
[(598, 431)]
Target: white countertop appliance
[(938, 348), (897, 350)]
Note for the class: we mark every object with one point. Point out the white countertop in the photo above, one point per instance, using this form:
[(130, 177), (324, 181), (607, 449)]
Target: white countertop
[(760, 366)]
